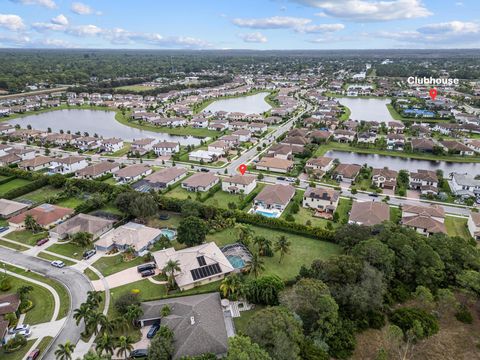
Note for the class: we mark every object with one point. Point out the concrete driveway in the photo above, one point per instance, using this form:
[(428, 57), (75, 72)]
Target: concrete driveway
[(121, 278), (144, 342)]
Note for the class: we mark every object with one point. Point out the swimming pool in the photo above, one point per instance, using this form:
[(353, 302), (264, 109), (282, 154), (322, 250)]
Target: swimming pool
[(236, 261), (269, 214), (169, 233)]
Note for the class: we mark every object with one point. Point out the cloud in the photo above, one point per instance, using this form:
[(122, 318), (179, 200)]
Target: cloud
[(60, 20), (11, 22), (274, 22), (323, 28), (370, 10), (58, 23), (83, 9), (46, 3), (254, 37), (454, 33), (85, 30), (14, 40)]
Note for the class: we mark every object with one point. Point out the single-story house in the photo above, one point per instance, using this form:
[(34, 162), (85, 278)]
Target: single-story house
[(45, 215), (9, 208), (200, 182), (97, 170), (275, 164), (274, 196), (161, 179), (82, 223), (36, 164), (197, 323), (199, 265), (132, 173), (369, 213), (131, 235)]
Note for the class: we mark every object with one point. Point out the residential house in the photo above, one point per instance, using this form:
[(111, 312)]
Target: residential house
[(243, 135), (203, 156), (219, 147), (133, 236), (395, 142), (456, 147), (200, 182), (46, 215), (274, 197), (143, 144), (321, 199), (36, 164), (199, 122), (112, 145), (9, 208), (424, 180), (132, 173), (369, 213), (426, 220), (97, 170), (67, 165), (384, 178), (239, 184), (163, 148), (464, 185), (320, 165), (346, 172), (367, 138), (343, 136), (422, 145), (161, 179), (473, 224), (94, 225), (199, 265), (275, 164)]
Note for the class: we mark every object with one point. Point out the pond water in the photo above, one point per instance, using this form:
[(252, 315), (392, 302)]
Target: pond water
[(253, 104), (398, 163), (100, 122), (367, 109)]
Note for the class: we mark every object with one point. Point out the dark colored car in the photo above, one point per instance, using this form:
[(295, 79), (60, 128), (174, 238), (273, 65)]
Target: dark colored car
[(42, 241), (153, 330), (373, 194), (280, 178), (138, 353), (204, 170), (145, 267), (88, 254), (33, 354), (3, 228), (147, 273)]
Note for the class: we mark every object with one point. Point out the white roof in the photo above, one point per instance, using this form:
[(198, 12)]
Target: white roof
[(131, 234)]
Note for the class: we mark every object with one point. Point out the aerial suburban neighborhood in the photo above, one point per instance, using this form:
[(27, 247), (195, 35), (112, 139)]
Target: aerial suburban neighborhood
[(209, 202)]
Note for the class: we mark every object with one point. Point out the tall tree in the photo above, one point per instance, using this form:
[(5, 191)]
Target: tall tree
[(255, 266), (161, 346), (242, 348), (65, 351), (124, 346), (282, 246), (170, 268), (192, 231), (105, 344)]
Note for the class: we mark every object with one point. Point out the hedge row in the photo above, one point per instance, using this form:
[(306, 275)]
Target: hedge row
[(7, 179), (34, 185)]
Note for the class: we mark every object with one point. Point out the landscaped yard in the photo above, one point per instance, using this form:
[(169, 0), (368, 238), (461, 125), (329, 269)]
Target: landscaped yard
[(13, 246), (182, 194), (39, 196), (71, 203), (69, 249), (13, 184), (19, 354), (222, 199), (172, 222), (49, 257), (42, 299), (395, 214), (303, 250), (109, 265), (457, 227), (26, 236)]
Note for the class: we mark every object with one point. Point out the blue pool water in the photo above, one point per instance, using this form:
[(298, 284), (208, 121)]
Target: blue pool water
[(267, 213), (169, 233), (236, 261)]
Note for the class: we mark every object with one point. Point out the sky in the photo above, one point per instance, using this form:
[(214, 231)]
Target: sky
[(240, 24)]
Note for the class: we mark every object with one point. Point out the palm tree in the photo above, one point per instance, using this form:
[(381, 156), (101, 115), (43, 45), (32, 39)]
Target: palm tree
[(245, 233), (82, 313), (170, 268), (121, 323), (282, 246), (93, 321), (65, 351), (230, 285), (106, 343), (30, 223), (264, 245), (106, 325), (133, 313), (255, 266), (94, 298), (125, 346)]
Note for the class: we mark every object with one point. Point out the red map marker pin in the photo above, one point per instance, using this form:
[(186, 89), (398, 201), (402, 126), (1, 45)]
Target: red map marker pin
[(242, 168), (433, 94)]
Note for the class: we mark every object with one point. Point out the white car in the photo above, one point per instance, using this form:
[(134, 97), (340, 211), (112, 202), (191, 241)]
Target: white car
[(22, 329), (57, 263)]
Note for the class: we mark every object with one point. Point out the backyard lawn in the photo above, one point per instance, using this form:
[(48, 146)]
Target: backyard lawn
[(172, 222), (39, 196), (26, 236), (222, 199), (12, 184), (395, 214), (71, 203), (181, 194), (245, 316), (109, 265), (457, 227), (303, 250)]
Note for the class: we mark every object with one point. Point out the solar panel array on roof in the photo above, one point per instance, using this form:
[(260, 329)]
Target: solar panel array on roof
[(205, 271), (201, 261)]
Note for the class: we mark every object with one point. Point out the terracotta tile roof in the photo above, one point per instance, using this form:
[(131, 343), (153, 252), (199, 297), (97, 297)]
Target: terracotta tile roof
[(44, 214)]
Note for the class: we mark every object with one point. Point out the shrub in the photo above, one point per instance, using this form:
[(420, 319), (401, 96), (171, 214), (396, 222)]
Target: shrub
[(464, 315), (5, 284), (124, 301)]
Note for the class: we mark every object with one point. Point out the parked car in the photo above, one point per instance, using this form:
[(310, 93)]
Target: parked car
[(147, 273), (373, 194), (204, 170), (3, 228), (33, 354), (280, 178), (153, 330), (88, 254), (291, 179), (58, 263), (42, 241), (20, 327), (145, 267), (138, 353)]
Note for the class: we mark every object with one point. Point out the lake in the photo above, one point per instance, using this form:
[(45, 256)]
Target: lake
[(100, 122), (368, 109), (252, 104), (399, 163)]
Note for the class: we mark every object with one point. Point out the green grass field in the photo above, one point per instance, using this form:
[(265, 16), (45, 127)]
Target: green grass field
[(71, 203), (40, 196), (109, 265), (49, 257), (245, 316), (303, 250), (181, 194), (12, 184), (26, 237), (457, 227), (69, 249), (14, 246)]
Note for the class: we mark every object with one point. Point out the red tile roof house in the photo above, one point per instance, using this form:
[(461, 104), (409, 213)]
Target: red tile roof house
[(426, 220), (46, 215), (9, 303), (200, 182), (274, 197)]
